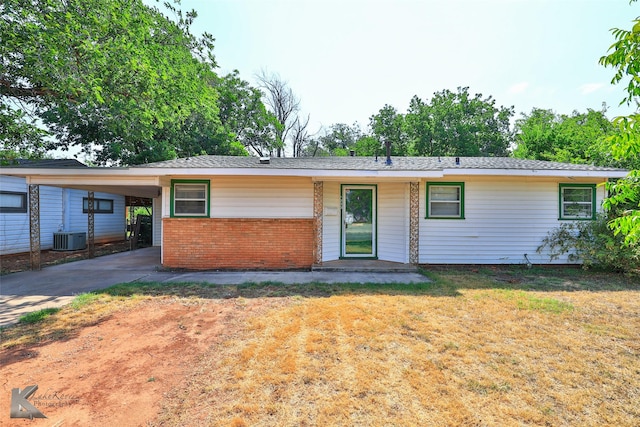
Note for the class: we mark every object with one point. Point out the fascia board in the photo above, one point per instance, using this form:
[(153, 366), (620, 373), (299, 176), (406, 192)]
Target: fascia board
[(110, 173), (537, 172), (297, 172), (68, 180), (155, 173)]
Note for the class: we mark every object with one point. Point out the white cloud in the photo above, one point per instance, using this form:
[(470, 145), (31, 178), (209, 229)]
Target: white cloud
[(518, 88), (588, 88)]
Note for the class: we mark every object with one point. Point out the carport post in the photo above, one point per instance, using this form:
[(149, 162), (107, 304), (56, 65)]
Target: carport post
[(90, 224), (318, 212), (414, 222), (34, 226)]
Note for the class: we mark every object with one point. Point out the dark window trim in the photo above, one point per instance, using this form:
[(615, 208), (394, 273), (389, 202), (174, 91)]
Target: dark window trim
[(445, 184), (11, 209), (561, 187), (207, 184), (96, 204)]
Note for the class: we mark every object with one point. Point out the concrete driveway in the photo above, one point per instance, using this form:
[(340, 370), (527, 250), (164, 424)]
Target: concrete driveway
[(55, 286)]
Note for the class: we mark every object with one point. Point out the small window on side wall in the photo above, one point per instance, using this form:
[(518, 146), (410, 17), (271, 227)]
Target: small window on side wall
[(577, 201), (13, 202), (190, 198), (445, 200), (100, 206)]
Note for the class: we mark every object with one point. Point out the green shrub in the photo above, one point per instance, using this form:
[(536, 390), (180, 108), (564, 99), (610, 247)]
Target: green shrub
[(594, 244)]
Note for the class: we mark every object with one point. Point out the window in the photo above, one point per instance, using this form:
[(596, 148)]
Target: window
[(445, 200), (577, 201), (13, 202), (190, 198), (99, 205)]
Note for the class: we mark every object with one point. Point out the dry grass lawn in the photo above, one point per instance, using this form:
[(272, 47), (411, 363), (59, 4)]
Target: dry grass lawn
[(489, 347), (485, 356)]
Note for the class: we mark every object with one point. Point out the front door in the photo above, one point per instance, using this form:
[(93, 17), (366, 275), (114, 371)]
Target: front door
[(359, 221)]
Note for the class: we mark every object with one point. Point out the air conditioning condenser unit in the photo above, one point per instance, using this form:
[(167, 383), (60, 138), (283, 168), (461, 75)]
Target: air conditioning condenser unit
[(69, 241)]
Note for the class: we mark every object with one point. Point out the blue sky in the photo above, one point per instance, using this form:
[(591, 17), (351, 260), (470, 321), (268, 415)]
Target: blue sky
[(347, 59)]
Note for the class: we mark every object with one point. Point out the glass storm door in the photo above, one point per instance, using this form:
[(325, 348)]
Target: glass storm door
[(359, 221)]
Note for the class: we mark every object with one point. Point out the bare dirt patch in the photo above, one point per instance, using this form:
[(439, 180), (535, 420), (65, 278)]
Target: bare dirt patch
[(117, 371)]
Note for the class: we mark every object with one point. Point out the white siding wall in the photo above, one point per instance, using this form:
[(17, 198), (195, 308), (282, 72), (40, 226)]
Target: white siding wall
[(165, 202), (250, 197), (261, 197), (393, 222), (57, 208), (505, 218), (331, 221), (157, 221)]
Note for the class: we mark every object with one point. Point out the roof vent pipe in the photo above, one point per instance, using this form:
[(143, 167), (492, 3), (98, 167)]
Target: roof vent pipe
[(388, 144), (457, 161)]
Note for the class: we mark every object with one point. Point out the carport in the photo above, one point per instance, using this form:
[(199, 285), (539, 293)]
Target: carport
[(123, 181)]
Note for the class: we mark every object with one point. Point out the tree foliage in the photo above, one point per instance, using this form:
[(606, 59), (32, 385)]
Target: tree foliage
[(244, 115), (115, 77), (624, 58), (341, 139), (450, 124), (389, 126), (21, 137), (581, 138), (465, 125)]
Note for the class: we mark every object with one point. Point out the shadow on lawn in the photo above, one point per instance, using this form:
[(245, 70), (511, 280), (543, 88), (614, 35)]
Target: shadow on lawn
[(30, 337), (438, 282)]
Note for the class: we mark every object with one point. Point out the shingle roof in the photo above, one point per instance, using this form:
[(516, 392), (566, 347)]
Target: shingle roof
[(371, 164), (49, 163)]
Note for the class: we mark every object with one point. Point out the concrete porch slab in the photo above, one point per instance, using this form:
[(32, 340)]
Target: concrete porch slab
[(365, 265)]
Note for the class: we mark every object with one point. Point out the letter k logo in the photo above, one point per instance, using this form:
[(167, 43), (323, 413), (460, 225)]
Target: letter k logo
[(21, 407)]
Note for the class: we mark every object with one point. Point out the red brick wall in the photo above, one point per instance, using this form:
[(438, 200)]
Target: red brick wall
[(232, 243)]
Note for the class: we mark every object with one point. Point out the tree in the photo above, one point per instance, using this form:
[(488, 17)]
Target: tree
[(624, 58), (115, 77), (456, 124), (339, 139), (20, 138), (388, 126), (419, 124), (575, 138), (284, 104), (300, 137), (535, 135), (244, 115), (367, 145), (583, 138)]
